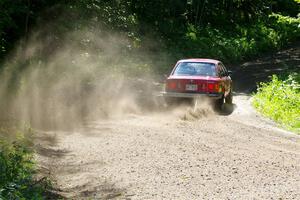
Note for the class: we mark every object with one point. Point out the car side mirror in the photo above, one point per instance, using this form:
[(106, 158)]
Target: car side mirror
[(229, 72)]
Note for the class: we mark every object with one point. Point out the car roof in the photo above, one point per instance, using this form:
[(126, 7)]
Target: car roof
[(200, 60)]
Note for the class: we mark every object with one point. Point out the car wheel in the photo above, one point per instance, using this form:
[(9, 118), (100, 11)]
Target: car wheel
[(229, 98), (219, 103)]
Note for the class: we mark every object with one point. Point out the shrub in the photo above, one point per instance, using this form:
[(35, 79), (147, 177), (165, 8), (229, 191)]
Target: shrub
[(17, 168), (280, 100), (238, 43), (287, 28)]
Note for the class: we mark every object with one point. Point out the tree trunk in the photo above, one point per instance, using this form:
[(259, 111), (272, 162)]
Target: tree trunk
[(27, 19)]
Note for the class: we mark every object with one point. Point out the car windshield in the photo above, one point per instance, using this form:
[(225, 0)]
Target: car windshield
[(195, 69)]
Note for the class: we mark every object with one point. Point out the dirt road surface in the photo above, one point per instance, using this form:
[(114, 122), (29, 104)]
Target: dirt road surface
[(181, 153)]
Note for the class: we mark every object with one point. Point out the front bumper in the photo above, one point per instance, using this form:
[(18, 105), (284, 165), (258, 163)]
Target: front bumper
[(191, 95)]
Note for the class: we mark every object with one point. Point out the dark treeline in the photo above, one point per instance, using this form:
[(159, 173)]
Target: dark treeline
[(219, 13), (175, 21)]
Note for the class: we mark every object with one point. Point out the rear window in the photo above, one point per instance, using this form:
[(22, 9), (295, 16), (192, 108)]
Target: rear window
[(195, 69)]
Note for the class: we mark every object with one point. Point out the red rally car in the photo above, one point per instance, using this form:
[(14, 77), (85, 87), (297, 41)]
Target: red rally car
[(193, 78)]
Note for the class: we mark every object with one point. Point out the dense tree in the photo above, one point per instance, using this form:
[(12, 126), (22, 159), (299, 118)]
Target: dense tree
[(167, 17), (16, 19)]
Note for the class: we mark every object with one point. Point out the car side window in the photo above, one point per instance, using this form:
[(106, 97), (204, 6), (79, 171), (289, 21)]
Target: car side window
[(220, 70), (224, 69)]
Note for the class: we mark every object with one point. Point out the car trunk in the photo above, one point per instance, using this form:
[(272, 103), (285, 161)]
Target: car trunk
[(197, 84)]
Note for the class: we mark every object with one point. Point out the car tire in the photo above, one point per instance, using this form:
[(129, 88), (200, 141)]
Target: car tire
[(219, 104), (229, 98)]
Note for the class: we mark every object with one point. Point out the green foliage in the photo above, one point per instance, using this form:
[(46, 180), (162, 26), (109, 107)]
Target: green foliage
[(17, 167), (229, 30), (287, 28), (280, 100), (240, 43)]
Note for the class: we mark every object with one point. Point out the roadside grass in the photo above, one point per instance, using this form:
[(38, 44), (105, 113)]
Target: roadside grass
[(17, 165), (279, 100)]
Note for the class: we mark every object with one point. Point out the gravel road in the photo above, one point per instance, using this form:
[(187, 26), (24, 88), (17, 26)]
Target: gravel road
[(181, 153)]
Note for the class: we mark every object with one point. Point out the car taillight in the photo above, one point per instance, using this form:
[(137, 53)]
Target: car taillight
[(210, 87), (214, 87), (171, 85)]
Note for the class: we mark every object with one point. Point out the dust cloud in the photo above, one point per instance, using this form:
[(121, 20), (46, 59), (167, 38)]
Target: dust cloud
[(194, 110), (60, 81), (52, 82)]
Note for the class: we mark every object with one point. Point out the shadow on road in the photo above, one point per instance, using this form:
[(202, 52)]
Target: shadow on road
[(247, 75), (227, 109)]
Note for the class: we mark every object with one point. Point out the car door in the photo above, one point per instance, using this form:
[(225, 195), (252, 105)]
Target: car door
[(227, 79), (220, 74)]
